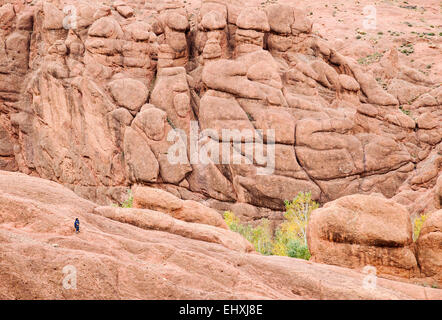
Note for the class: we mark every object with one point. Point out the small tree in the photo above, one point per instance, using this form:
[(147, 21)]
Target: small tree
[(298, 212), (417, 225), (291, 236)]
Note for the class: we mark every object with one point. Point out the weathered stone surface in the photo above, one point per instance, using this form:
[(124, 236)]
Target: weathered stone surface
[(193, 211), (240, 92), (213, 20), (190, 211), (152, 121), (93, 105), (254, 19), (429, 246), (53, 17), (162, 257), (7, 15), (280, 18), (438, 193), (141, 164), (358, 230), (125, 11), (106, 27), (129, 93), (155, 199)]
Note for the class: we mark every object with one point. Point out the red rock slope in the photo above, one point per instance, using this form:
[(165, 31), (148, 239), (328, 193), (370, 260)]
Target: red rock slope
[(158, 258)]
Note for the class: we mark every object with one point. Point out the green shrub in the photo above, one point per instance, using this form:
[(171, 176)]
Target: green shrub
[(296, 249), (260, 236)]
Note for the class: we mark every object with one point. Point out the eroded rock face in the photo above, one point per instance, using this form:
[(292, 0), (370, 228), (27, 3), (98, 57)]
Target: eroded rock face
[(99, 103), (358, 230), (187, 210), (144, 254), (429, 246), (91, 105)]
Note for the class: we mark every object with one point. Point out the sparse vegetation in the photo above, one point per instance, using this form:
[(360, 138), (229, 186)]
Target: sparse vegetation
[(250, 117), (408, 7), (395, 33), (371, 58), (128, 203), (260, 236), (171, 123), (406, 112), (406, 49), (417, 225), (290, 239), (425, 35), (268, 2), (382, 83)]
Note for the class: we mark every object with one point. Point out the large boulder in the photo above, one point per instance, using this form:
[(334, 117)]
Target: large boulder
[(253, 18), (155, 199), (188, 210), (429, 246), (129, 93), (280, 18), (106, 27), (359, 230), (438, 193)]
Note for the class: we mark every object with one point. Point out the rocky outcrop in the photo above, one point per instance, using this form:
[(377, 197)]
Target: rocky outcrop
[(420, 193), (144, 254), (97, 103), (187, 210), (429, 246), (358, 230), (153, 220)]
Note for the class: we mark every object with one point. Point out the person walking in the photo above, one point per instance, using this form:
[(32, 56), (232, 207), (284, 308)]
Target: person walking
[(77, 225)]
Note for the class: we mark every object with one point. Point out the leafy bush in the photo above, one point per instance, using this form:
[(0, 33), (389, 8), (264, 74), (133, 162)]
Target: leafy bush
[(260, 236), (290, 239), (296, 249), (417, 225)]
